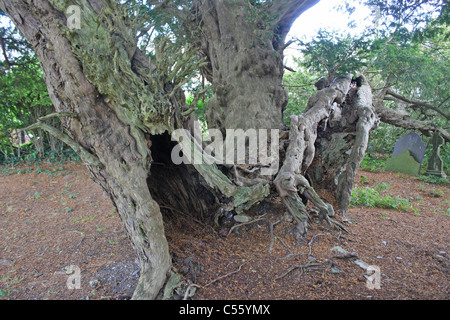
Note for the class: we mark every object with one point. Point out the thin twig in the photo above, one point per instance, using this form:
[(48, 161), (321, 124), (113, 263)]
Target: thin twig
[(339, 225), (271, 225), (59, 115), (213, 281), (289, 255), (301, 266), (245, 223), (338, 237), (87, 157), (284, 244), (228, 274), (347, 255), (312, 239)]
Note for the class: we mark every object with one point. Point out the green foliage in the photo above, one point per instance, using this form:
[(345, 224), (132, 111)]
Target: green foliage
[(370, 197), (373, 163), (23, 99), (199, 95), (406, 50), (4, 293), (383, 139), (36, 195), (436, 193), (418, 70), (332, 53), (434, 180), (68, 209), (395, 15), (300, 87)]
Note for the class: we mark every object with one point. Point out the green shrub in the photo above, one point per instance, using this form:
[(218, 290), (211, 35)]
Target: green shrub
[(369, 197), (373, 163), (434, 180)]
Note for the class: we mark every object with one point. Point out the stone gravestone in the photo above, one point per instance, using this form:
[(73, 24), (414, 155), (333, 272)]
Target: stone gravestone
[(413, 142), (435, 164), (408, 155)]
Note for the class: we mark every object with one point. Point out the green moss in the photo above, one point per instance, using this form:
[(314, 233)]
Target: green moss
[(404, 163), (246, 197)]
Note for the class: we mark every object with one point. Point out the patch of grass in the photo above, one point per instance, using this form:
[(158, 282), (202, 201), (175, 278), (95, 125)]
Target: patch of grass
[(364, 180), (87, 219), (370, 197), (36, 195), (436, 193), (374, 164), (4, 293), (11, 170), (8, 282), (382, 186), (434, 180), (113, 242)]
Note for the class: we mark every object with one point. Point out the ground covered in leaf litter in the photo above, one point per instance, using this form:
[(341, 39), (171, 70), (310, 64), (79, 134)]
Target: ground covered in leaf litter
[(54, 216)]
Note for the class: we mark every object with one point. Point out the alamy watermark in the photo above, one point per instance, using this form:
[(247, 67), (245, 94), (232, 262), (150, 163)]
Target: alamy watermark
[(239, 147), (74, 279), (373, 277), (73, 16)]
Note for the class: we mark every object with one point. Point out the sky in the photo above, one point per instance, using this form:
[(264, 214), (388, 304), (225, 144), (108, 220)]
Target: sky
[(324, 15)]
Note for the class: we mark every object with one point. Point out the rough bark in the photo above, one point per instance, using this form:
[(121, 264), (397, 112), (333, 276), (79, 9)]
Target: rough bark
[(366, 120), (324, 113), (243, 45), (341, 144), (400, 119), (127, 107), (82, 79), (123, 108)]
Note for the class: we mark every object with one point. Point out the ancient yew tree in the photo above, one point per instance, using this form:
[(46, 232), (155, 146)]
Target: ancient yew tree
[(120, 105)]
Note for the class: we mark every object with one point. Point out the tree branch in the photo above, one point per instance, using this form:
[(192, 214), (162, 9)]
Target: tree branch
[(418, 103), (302, 266), (398, 119), (213, 281), (58, 115), (87, 157), (288, 11), (5, 56)]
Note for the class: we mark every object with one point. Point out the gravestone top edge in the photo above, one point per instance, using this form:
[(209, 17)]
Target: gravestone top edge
[(412, 142)]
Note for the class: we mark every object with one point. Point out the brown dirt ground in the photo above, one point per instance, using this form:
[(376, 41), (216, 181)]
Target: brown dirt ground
[(55, 216)]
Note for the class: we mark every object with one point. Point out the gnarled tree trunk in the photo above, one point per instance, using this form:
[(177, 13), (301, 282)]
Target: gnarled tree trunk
[(124, 107), (330, 139), (244, 47), (94, 72)]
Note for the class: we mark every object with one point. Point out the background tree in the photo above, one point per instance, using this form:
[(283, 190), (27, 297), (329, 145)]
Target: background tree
[(23, 99), (406, 65), (300, 87)]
